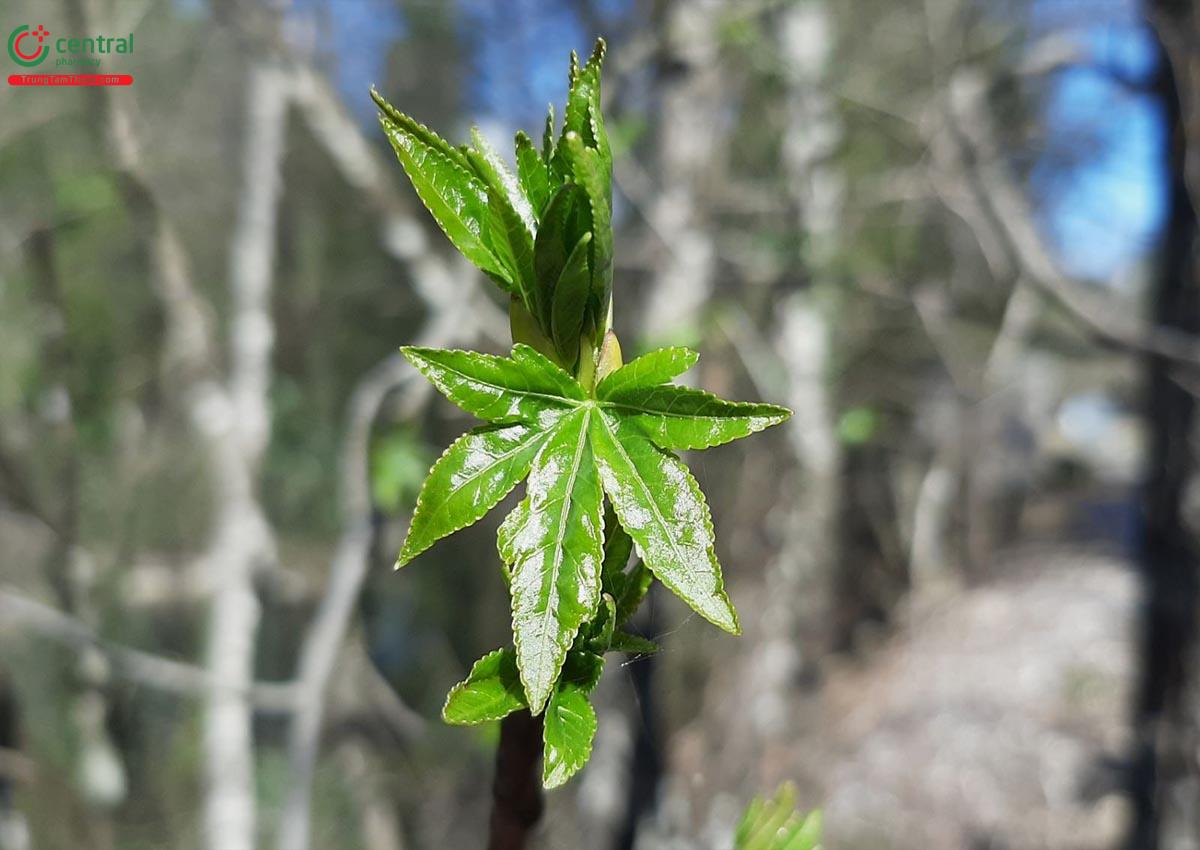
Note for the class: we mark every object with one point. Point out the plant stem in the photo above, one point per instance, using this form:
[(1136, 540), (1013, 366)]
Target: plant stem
[(517, 789)]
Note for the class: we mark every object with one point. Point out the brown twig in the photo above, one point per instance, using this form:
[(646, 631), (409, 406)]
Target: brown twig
[(517, 802)]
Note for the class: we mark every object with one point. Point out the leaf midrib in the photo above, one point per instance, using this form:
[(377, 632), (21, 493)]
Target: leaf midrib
[(534, 435), (564, 511), (570, 402), (744, 409)]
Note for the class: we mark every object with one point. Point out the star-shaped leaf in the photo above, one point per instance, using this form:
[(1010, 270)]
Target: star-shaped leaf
[(574, 447)]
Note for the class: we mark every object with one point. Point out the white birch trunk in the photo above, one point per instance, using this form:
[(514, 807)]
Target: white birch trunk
[(238, 425)]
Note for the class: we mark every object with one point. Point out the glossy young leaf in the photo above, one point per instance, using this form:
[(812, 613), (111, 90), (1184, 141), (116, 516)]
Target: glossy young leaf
[(583, 96), (590, 171), (492, 169), (566, 220), (684, 418), (569, 301), (457, 199), (511, 222), (470, 478), (555, 546), (512, 243), (427, 136), (533, 174), (548, 372), (652, 369), (491, 692), (660, 504), (570, 727), (496, 389)]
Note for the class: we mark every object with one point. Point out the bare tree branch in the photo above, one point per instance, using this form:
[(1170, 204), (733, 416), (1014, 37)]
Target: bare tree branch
[(1007, 218), (179, 677)]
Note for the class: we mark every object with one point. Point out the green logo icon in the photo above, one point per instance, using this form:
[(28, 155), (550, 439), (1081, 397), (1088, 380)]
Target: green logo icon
[(27, 46)]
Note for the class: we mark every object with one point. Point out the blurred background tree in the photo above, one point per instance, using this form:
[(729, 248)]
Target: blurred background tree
[(956, 237)]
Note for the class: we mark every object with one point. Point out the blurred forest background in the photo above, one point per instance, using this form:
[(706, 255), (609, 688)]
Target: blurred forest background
[(956, 236)]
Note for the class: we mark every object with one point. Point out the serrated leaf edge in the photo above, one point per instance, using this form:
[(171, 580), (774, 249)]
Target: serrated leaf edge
[(587, 754), (777, 416), (410, 352), (402, 559), (604, 388), (537, 705), (708, 523), (458, 688)]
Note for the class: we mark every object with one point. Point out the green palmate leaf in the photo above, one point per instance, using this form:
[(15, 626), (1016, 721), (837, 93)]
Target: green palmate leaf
[(534, 174), (649, 370), (685, 418), (491, 692), (554, 547), (570, 727), (660, 504), (545, 234), (478, 470), (527, 387), (566, 220), (633, 644), (569, 300), (457, 199)]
